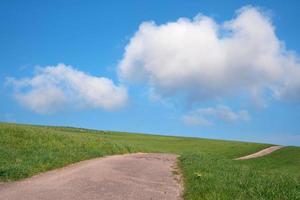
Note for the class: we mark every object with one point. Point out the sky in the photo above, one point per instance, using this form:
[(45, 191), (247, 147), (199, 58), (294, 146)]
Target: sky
[(186, 68)]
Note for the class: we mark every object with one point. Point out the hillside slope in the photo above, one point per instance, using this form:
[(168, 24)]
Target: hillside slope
[(207, 165)]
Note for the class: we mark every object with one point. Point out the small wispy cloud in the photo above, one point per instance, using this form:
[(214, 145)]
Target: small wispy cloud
[(208, 116)]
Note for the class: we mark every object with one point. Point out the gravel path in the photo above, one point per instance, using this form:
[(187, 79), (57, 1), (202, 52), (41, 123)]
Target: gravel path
[(260, 153), (132, 176)]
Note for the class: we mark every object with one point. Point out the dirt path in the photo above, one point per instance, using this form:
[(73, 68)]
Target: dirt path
[(132, 176), (260, 153)]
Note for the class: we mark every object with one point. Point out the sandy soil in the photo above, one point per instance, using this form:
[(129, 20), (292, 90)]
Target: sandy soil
[(260, 153), (132, 176)]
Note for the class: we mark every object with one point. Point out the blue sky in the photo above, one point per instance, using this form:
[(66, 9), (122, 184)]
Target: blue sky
[(201, 76)]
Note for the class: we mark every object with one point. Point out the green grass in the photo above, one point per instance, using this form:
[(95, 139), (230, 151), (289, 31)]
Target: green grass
[(207, 166)]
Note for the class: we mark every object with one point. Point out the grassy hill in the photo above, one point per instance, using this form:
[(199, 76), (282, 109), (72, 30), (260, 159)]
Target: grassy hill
[(207, 166)]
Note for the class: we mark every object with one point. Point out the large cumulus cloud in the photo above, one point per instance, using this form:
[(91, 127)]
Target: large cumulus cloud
[(204, 60)]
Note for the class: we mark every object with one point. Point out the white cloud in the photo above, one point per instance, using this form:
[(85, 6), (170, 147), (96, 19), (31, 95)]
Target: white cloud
[(207, 116), (195, 120), (203, 60), (53, 88)]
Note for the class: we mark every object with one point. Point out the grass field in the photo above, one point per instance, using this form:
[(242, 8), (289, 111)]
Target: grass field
[(207, 166)]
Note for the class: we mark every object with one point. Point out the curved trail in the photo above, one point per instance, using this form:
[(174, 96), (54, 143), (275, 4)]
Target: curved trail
[(260, 153), (132, 176)]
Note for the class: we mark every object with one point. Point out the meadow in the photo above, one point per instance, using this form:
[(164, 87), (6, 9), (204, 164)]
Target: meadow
[(207, 166)]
